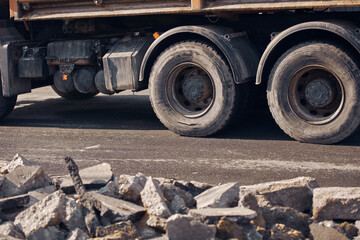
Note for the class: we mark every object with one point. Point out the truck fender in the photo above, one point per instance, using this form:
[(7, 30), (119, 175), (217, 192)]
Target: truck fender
[(334, 30), (240, 54)]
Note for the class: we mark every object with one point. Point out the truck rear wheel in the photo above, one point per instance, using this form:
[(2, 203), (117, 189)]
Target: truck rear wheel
[(192, 90), (7, 104), (313, 93)]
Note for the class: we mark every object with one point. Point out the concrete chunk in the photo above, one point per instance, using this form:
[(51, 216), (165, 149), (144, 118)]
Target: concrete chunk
[(92, 177), (250, 201), (157, 222), (287, 216), (348, 229), (44, 213), (16, 162), (49, 233), (14, 202), (115, 210), (91, 221), (8, 228), (78, 234), (144, 230), (280, 231), (130, 187), (121, 230), (213, 215), (295, 193), (9, 189), (223, 196), (320, 232), (336, 203), (7, 237), (39, 194), (153, 199), (111, 189), (180, 227), (173, 194), (227, 229), (178, 205), (72, 216), (28, 178)]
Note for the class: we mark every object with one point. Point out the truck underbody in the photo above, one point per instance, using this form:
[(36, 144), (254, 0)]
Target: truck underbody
[(199, 59)]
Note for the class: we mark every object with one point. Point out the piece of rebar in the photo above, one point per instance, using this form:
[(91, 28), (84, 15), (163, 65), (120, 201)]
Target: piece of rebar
[(75, 176), (88, 203)]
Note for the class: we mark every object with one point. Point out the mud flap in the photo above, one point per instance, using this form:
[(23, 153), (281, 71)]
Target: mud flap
[(12, 85)]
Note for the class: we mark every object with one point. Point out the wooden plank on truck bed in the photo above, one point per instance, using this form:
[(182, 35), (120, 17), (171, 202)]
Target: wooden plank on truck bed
[(68, 9)]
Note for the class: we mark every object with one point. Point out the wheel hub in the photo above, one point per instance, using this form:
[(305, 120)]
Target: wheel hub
[(197, 88), (319, 93)]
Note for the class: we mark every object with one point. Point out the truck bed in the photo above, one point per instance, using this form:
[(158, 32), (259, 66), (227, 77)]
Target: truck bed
[(70, 9)]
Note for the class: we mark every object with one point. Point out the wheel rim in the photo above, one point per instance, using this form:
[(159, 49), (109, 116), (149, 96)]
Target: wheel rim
[(316, 95), (190, 90)]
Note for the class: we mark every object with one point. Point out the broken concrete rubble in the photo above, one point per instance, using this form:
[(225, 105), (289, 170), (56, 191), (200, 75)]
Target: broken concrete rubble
[(226, 195), (9, 189), (92, 220), (49, 233), (23, 179), (348, 229), (46, 212), (17, 161), (8, 228), (320, 232), (186, 227), (153, 199), (295, 193), (336, 203), (130, 187), (288, 216), (39, 194), (177, 197), (114, 209), (78, 234), (280, 231), (14, 202), (111, 189), (123, 230), (156, 222), (227, 229), (266, 210), (72, 216), (92, 177), (213, 215)]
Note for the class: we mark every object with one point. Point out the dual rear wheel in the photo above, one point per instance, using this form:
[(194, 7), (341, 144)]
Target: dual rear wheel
[(192, 90), (314, 93)]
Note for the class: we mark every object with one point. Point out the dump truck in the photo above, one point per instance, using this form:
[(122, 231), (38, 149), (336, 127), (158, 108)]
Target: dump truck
[(200, 59)]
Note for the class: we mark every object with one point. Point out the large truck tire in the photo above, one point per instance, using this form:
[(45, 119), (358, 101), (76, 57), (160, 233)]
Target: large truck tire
[(314, 93), (7, 104), (74, 94), (192, 90)]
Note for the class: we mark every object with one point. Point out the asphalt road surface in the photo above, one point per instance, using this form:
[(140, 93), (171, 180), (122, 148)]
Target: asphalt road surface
[(123, 131)]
